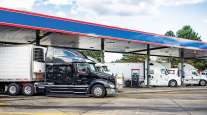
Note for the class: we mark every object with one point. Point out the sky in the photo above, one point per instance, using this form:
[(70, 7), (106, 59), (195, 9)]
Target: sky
[(155, 16)]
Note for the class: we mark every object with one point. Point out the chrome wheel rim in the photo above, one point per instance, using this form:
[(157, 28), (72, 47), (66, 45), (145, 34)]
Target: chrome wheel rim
[(203, 83), (27, 90), (98, 91), (12, 90), (173, 84)]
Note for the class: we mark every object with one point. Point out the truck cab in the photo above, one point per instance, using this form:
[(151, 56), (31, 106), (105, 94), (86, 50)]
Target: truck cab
[(192, 76), (161, 76), (70, 72)]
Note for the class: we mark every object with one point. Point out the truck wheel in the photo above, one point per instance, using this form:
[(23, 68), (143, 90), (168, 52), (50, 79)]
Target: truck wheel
[(98, 91), (202, 83), (28, 89), (13, 89), (172, 83)]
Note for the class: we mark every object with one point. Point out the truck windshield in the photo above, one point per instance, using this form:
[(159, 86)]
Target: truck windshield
[(85, 67), (105, 68), (98, 69), (92, 67)]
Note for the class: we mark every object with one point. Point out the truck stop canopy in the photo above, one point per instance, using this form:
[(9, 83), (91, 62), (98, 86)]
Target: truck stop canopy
[(20, 27)]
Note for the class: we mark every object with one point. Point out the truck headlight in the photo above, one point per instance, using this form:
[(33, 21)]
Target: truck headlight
[(111, 85)]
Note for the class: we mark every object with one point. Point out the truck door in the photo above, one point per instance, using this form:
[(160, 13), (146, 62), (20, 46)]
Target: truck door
[(163, 77), (191, 77), (195, 77), (82, 77)]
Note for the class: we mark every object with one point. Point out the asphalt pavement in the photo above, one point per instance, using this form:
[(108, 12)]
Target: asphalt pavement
[(131, 101)]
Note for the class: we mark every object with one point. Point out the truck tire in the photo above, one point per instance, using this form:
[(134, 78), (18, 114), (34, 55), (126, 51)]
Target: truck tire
[(13, 89), (172, 83), (98, 91), (28, 89), (202, 83)]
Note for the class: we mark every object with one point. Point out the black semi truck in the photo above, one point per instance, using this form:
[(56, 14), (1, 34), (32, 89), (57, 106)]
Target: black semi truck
[(30, 69)]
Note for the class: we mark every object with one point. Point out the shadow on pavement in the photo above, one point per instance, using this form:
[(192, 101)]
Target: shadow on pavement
[(96, 107)]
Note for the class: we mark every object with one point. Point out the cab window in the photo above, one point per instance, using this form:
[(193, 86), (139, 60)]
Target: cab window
[(82, 68), (195, 73), (164, 71)]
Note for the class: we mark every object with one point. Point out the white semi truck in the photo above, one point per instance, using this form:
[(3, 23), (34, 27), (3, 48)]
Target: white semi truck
[(192, 76), (164, 75), (30, 69), (161, 76)]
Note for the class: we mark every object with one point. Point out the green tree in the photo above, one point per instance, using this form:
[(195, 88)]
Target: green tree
[(188, 33), (170, 33), (94, 54), (200, 64)]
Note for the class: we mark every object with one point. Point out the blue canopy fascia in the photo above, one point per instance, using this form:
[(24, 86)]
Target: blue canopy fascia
[(36, 21)]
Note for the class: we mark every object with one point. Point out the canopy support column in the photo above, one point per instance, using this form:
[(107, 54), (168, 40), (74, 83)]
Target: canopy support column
[(148, 65), (38, 37), (182, 76), (102, 51)]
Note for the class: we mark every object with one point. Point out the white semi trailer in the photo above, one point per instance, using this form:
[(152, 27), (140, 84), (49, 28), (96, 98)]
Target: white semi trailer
[(21, 68)]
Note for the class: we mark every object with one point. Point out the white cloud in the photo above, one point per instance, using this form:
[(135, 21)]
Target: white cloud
[(205, 20), (17, 4), (61, 14), (103, 7), (114, 7), (178, 2), (58, 2), (124, 7)]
